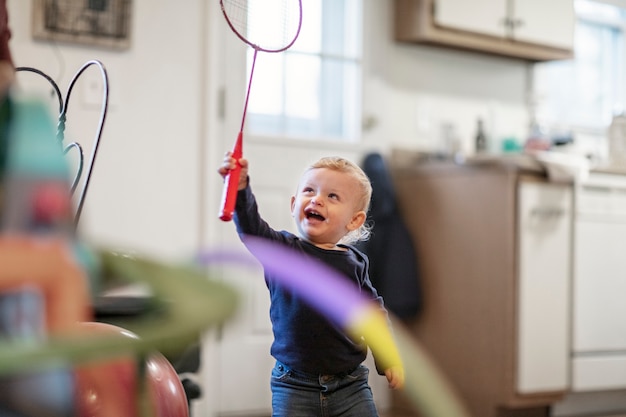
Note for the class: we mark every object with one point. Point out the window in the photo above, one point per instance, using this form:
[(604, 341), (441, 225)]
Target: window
[(585, 93), (312, 90)]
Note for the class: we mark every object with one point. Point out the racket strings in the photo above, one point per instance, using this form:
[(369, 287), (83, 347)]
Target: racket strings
[(268, 25)]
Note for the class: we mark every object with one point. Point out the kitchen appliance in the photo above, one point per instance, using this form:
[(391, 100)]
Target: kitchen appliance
[(599, 284)]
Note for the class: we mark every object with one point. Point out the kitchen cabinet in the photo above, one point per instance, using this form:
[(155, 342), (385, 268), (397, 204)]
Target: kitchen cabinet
[(487, 17), (494, 247), (547, 23), (529, 29), (599, 322)]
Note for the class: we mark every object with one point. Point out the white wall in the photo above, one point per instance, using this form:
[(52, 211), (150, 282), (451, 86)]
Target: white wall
[(411, 90), (145, 192)]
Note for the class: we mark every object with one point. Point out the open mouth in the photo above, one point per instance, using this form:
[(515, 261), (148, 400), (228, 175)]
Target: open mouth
[(314, 215)]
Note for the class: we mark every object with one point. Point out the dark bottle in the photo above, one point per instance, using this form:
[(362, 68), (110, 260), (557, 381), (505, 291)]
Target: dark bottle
[(481, 138)]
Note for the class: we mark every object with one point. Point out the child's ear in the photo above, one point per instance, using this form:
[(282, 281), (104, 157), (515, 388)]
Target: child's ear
[(293, 202), (357, 220)]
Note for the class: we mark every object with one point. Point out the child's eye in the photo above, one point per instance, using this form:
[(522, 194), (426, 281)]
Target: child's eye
[(307, 190), (333, 196)]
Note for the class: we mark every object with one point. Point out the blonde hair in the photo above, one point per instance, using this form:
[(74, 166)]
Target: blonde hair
[(343, 165)]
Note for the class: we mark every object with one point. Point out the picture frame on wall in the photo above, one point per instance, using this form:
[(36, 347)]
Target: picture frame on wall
[(99, 23)]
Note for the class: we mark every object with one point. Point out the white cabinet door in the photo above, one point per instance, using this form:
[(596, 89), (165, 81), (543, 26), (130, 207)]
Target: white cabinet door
[(544, 22), (545, 231), (549, 23), (487, 17)]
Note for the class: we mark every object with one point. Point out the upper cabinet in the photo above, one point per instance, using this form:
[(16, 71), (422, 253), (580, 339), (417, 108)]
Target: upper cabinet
[(486, 17), (536, 30), (546, 23)]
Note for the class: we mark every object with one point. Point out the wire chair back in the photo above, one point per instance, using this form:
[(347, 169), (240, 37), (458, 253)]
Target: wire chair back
[(82, 168)]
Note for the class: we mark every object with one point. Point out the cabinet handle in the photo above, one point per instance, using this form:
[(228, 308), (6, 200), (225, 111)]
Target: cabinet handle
[(511, 23), (547, 212), (516, 23)]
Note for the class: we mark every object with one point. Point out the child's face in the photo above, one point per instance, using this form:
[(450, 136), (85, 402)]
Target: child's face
[(324, 207)]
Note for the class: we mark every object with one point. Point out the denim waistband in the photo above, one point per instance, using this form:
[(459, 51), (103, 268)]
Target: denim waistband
[(314, 376)]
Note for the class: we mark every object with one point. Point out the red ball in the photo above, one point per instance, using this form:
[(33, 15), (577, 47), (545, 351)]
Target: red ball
[(167, 392), (109, 388)]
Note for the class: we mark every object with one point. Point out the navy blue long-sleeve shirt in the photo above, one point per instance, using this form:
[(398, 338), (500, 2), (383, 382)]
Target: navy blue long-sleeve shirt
[(303, 338)]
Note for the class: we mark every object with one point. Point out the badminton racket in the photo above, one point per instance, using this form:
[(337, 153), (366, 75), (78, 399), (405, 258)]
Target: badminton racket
[(266, 26)]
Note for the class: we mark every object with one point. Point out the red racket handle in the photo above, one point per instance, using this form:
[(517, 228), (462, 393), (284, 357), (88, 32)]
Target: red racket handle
[(231, 184)]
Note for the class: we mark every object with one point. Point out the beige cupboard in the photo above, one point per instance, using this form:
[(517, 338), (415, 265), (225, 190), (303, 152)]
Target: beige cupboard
[(494, 246)]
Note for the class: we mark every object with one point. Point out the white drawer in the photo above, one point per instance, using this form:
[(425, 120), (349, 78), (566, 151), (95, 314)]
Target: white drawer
[(604, 201), (595, 373)]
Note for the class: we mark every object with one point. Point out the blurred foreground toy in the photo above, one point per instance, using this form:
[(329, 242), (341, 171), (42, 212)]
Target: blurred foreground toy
[(45, 288)]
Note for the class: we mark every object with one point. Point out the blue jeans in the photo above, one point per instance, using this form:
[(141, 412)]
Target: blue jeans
[(299, 394)]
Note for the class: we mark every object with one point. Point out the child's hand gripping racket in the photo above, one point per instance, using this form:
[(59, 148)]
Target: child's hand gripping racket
[(268, 26)]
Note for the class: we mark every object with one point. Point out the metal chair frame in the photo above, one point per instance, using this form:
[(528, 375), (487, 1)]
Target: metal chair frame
[(63, 109)]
